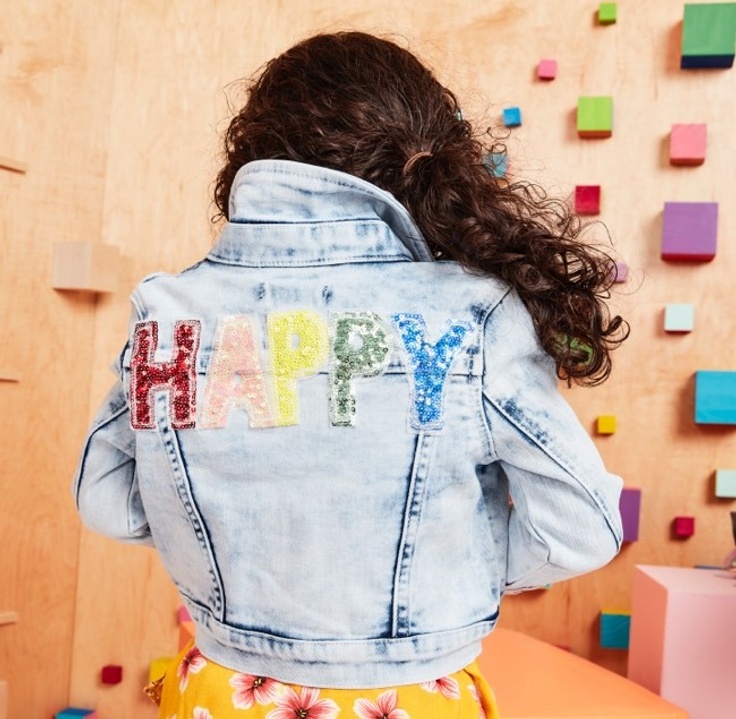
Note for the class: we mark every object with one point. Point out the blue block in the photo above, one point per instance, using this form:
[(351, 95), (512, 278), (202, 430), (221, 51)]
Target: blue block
[(496, 163), (512, 116), (715, 397), (615, 630), (73, 713)]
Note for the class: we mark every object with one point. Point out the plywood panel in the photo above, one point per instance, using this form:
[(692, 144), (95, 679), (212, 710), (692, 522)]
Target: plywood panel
[(56, 62)]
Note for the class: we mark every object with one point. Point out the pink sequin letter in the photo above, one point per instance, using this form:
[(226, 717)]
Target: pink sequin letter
[(178, 377), (235, 377)]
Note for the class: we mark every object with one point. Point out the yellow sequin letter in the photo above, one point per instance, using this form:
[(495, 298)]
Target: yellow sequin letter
[(297, 344)]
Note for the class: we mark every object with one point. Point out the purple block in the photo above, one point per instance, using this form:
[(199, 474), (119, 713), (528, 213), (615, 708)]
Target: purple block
[(689, 231), (621, 272), (630, 506)]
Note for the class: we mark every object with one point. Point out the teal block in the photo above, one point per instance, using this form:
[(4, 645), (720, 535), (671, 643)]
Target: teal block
[(708, 35), (715, 397), (75, 713), (615, 630), (512, 116), (679, 318), (726, 483), (496, 163)]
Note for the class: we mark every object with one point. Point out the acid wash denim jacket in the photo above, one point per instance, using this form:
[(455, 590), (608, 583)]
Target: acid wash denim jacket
[(344, 451)]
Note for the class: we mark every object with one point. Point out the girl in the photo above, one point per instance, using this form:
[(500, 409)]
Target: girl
[(341, 429)]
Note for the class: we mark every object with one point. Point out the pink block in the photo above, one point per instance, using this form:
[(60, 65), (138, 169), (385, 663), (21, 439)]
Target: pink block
[(687, 144), (622, 272), (182, 615), (547, 69), (683, 634)]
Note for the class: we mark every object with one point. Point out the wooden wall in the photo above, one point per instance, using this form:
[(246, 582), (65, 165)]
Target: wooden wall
[(116, 108)]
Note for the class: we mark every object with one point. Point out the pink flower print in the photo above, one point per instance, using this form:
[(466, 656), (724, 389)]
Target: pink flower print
[(383, 708), (250, 689), (307, 705), (201, 713), (192, 663), (474, 693), (447, 686)]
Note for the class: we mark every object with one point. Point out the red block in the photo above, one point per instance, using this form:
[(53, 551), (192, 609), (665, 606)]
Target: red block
[(687, 144), (588, 199), (112, 674), (683, 526)]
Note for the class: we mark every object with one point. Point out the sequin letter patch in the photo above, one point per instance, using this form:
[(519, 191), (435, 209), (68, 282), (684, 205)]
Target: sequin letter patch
[(178, 377), (430, 364), (297, 344), (235, 378), (360, 348)]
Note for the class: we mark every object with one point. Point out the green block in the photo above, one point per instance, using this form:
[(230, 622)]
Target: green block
[(595, 116), (726, 483), (615, 630), (607, 13), (709, 35)]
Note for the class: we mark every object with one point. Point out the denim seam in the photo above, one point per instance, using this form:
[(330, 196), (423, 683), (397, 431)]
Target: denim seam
[(183, 489)]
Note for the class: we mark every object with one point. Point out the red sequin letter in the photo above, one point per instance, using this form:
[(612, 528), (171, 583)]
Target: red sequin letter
[(178, 377)]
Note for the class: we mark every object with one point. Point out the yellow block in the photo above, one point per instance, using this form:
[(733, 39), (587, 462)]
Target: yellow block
[(158, 668), (607, 424)]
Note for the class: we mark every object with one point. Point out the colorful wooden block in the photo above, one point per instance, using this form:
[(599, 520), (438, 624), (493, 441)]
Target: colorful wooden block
[(687, 144), (607, 13), (547, 69), (606, 424), (496, 163), (621, 272), (708, 35), (679, 318), (715, 397), (186, 634), (158, 668), (689, 231), (8, 163), (630, 509), (111, 674), (726, 483), (615, 629), (182, 614), (595, 116), (683, 637), (85, 266), (76, 713), (683, 527), (512, 116), (587, 199)]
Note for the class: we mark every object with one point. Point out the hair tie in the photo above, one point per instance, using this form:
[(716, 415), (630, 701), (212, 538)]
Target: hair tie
[(413, 160)]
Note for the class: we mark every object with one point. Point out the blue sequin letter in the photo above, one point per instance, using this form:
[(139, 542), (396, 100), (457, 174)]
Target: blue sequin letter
[(430, 364)]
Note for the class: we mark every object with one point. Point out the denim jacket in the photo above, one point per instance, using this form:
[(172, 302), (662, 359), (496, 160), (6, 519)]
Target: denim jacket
[(344, 451)]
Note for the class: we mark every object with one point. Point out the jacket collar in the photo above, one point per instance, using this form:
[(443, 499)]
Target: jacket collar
[(290, 213)]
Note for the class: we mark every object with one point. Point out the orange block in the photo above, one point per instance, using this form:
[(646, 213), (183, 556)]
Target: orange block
[(186, 634), (535, 680)]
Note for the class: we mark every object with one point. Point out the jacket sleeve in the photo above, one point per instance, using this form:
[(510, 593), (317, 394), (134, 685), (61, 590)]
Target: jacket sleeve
[(106, 484), (565, 517)]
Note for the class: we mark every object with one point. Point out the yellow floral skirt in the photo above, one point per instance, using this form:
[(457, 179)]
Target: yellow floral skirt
[(196, 688)]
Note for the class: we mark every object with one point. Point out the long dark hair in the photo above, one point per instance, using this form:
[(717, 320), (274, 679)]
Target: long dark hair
[(363, 105)]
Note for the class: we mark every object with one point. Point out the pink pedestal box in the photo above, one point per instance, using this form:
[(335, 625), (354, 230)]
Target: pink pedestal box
[(683, 638)]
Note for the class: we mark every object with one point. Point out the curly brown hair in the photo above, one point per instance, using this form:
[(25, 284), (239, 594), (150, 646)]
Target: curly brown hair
[(364, 105)]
